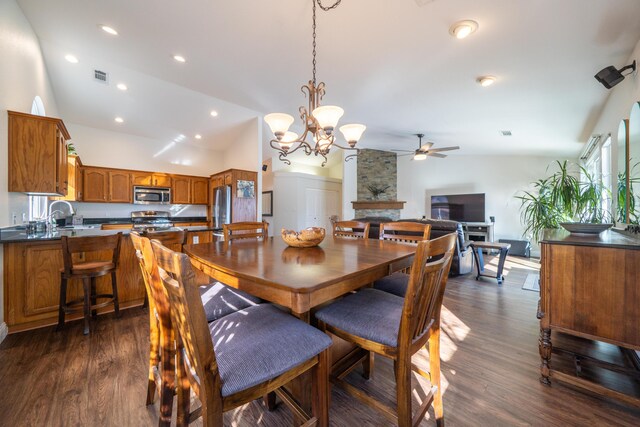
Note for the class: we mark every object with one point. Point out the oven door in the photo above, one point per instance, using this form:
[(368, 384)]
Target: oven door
[(151, 196)]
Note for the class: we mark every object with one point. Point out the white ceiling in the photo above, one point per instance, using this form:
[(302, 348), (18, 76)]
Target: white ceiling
[(391, 65)]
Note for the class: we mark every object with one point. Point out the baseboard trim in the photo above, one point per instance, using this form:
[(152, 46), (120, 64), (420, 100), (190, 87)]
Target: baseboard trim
[(4, 331)]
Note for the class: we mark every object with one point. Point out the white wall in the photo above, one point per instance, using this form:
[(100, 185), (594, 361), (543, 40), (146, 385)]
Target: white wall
[(618, 105), (23, 75), (501, 178), (99, 147)]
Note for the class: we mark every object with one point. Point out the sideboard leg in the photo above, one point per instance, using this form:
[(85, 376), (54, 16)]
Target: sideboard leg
[(544, 346)]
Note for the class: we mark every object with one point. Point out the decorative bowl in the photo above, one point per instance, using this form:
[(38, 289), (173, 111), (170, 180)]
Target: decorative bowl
[(306, 238), (585, 228)]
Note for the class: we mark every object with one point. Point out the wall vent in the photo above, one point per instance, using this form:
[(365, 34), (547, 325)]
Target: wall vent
[(101, 76), (505, 133)]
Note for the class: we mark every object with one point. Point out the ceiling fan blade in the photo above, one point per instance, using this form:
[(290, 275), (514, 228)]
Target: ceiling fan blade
[(426, 147), (432, 154), (435, 150)]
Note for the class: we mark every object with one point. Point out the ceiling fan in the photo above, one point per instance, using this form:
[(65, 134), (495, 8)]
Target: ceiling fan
[(425, 150)]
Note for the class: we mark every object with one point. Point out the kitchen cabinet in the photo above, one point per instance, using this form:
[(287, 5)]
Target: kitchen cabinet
[(199, 191), (95, 183), (120, 189), (151, 179), (199, 237), (181, 190), (74, 181), (242, 209), (37, 154), (32, 282)]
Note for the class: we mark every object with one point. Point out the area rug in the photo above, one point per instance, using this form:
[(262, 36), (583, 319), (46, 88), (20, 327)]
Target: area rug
[(532, 283)]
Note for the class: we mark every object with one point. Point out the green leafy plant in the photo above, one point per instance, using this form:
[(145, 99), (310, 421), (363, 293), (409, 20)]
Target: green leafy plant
[(621, 197), (71, 149), (563, 197), (376, 191)]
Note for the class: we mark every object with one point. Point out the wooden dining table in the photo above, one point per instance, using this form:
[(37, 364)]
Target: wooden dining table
[(300, 278)]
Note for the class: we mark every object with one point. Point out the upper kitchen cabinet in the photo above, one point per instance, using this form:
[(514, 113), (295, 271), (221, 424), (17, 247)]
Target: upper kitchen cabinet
[(120, 190), (150, 179), (181, 190), (37, 154), (74, 184), (199, 191), (95, 183)]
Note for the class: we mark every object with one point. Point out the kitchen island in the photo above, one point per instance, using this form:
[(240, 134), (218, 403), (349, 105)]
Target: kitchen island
[(32, 266)]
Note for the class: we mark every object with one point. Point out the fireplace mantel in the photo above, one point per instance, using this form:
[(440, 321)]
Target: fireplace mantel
[(378, 204)]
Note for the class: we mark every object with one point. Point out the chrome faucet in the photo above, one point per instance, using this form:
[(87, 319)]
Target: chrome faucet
[(51, 223)]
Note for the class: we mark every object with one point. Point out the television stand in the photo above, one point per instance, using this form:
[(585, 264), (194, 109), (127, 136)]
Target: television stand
[(478, 231)]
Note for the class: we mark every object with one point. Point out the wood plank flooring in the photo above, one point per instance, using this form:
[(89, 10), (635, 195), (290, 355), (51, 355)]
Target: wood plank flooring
[(490, 370)]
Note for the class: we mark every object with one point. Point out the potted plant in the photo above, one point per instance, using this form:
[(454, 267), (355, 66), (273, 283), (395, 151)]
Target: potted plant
[(570, 196)]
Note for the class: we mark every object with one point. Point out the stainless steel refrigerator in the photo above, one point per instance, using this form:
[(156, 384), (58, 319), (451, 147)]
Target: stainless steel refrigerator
[(221, 206)]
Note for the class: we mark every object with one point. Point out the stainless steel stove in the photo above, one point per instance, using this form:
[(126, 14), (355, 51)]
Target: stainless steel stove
[(150, 221)]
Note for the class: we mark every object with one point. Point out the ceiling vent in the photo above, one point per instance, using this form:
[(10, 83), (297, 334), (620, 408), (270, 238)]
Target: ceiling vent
[(101, 76), (505, 133), (423, 2)]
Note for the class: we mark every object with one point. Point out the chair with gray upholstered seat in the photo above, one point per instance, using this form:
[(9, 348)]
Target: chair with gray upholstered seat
[(217, 299), (240, 357), (355, 229), (396, 327)]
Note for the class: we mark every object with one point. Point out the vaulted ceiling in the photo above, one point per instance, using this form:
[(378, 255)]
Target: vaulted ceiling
[(391, 65)]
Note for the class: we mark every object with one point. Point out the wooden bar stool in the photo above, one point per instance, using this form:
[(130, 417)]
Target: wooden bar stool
[(88, 271)]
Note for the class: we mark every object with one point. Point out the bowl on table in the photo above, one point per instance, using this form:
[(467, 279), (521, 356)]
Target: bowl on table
[(307, 238)]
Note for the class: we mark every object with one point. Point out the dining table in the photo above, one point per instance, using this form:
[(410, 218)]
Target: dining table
[(301, 279)]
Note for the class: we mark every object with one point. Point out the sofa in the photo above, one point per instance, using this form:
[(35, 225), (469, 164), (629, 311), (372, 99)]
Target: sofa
[(463, 258)]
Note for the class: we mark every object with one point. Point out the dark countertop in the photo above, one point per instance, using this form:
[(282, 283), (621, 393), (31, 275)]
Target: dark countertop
[(19, 234), (609, 238)]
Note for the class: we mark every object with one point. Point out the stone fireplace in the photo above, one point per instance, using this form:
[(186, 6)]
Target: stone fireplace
[(379, 169)]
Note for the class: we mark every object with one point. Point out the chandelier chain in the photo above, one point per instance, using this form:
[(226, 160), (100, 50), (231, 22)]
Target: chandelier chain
[(325, 8)]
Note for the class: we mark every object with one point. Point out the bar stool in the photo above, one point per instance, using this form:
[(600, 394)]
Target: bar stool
[(88, 271)]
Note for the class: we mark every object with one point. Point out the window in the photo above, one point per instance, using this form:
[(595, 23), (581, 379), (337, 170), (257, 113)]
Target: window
[(37, 107), (37, 207), (598, 166)]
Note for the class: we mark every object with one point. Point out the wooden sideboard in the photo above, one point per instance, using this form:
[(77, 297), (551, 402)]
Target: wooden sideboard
[(590, 288)]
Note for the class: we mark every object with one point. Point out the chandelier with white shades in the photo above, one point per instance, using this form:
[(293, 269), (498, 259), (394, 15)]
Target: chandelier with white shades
[(319, 121)]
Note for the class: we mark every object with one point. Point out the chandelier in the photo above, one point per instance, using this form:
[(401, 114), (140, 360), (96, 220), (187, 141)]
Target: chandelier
[(319, 121)]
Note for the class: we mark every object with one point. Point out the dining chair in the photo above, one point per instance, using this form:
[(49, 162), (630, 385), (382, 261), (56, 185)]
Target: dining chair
[(88, 272), (354, 229), (217, 299), (245, 230), (408, 232), (397, 328), (242, 356)]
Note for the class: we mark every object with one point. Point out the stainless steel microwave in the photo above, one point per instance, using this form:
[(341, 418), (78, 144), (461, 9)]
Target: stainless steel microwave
[(151, 195)]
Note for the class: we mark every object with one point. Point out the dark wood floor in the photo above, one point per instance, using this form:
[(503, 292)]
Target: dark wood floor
[(489, 352)]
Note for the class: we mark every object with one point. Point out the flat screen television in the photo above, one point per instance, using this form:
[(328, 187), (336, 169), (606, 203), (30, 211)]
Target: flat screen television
[(458, 207)]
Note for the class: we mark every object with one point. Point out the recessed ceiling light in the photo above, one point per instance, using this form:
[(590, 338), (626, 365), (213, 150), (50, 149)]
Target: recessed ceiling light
[(119, 120), (485, 81), (198, 136), (179, 58), (122, 86), (214, 113), (462, 29), (71, 59), (108, 29)]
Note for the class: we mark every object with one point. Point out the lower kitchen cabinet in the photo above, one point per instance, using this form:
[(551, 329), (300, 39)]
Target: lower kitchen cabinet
[(32, 282)]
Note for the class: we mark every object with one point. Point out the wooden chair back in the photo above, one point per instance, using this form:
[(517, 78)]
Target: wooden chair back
[(74, 245), (188, 317), (410, 232), (425, 292), (355, 229), (245, 230)]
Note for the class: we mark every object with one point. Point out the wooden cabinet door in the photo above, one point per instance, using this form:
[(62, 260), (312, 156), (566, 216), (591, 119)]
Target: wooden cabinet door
[(161, 180), (199, 191), (181, 190), (42, 278), (228, 178), (62, 164), (142, 178), (120, 190), (95, 183)]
